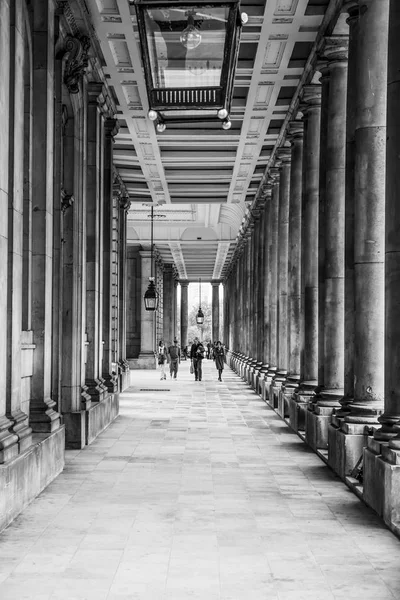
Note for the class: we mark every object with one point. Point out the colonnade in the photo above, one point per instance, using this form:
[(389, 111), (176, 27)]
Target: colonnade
[(322, 240), (63, 233)]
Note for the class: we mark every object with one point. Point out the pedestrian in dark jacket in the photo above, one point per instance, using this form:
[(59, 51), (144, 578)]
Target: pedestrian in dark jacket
[(197, 354), (174, 353), (219, 357)]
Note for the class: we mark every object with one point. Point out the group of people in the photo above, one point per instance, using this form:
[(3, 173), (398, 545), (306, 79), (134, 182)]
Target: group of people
[(198, 352)]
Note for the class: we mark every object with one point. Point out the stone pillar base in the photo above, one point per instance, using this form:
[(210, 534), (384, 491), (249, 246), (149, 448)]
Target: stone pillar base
[(283, 402), (146, 360), (24, 477), (345, 446), (100, 416), (297, 412), (317, 422), (75, 429), (382, 482), (274, 391)]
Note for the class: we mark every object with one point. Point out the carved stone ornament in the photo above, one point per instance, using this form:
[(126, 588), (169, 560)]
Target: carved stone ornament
[(125, 202), (76, 50), (67, 200)]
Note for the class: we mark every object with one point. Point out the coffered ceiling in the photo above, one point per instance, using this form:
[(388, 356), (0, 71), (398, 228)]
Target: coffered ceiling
[(203, 178)]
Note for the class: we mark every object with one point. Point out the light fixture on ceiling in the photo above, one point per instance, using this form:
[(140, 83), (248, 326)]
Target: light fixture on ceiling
[(151, 296), (190, 36), (190, 50), (200, 314)]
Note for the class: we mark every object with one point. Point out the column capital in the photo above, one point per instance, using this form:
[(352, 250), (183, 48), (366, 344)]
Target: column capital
[(336, 49), (311, 97), (184, 283), (352, 7), (296, 130), (274, 173), (125, 203), (95, 92), (215, 283), (284, 155)]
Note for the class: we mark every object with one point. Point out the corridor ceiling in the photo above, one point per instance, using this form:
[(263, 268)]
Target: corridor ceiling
[(203, 179)]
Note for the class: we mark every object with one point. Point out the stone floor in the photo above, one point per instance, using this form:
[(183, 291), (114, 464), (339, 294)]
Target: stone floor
[(197, 491)]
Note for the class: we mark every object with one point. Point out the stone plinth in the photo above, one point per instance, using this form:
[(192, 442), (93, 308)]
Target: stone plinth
[(382, 482), (345, 446), (24, 477), (317, 422), (145, 361)]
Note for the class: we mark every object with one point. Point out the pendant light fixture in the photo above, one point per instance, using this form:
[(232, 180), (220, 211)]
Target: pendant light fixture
[(151, 296), (200, 314)]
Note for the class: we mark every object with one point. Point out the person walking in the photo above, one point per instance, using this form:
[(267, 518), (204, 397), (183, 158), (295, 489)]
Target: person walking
[(174, 353), (162, 358), (219, 357), (197, 354)]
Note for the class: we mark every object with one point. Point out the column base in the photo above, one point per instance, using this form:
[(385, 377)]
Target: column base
[(382, 482), (317, 421), (8, 441), (124, 379), (24, 477), (285, 393), (345, 446), (111, 382), (42, 417), (95, 389), (22, 430)]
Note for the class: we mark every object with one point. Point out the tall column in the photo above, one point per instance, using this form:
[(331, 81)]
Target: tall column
[(273, 273), (268, 194), (15, 232), (8, 440), (285, 157), (391, 417), (94, 381), (369, 216), (146, 358), (312, 114), (336, 54), (320, 411), (175, 329), (43, 417), (110, 378), (260, 286), (184, 313), (124, 205), (215, 310), (168, 305), (294, 257)]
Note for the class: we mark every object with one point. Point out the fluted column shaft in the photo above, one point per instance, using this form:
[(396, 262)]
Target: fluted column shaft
[(184, 313), (215, 310), (168, 304), (391, 416), (334, 226), (312, 114), (370, 160), (294, 256)]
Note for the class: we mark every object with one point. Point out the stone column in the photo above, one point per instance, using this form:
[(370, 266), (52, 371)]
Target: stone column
[(184, 313), (311, 108), (391, 417), (381, 463), (110, 377), (175, 307), (319, 415), (146, 358), (94, 381), (273, 274), (124, 205), (268, 194), (294, 258), (369, 216), (260, 286), (215, 310), (15, 230), (285, 157), (168, 305), (43, 417), (8, 439)]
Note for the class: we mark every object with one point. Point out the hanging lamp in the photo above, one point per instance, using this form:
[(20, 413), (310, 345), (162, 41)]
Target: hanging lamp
[(200, 314), (151, 296)]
